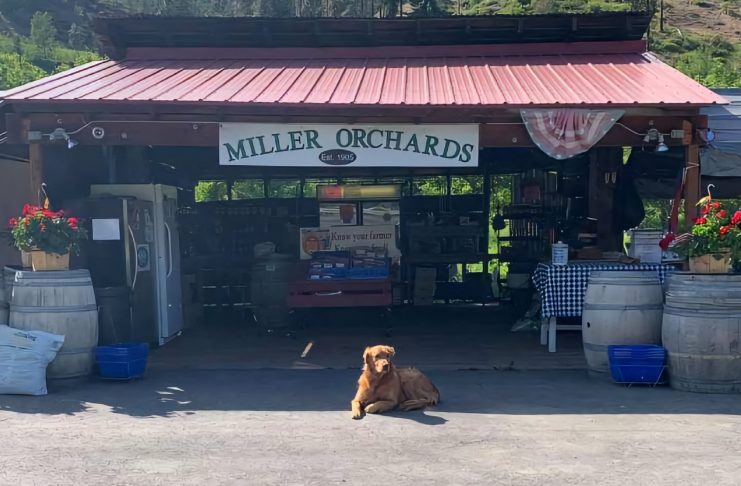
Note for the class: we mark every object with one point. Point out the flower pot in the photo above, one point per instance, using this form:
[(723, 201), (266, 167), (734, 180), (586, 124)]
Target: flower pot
[(26, 259), (711, 263), (45, 262)]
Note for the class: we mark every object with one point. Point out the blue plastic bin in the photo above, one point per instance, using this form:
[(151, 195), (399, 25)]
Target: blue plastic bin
[(357, 273), (124, 361), (637, 364)]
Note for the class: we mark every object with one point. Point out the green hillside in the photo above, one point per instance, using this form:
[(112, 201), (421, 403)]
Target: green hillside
[(40, 37)]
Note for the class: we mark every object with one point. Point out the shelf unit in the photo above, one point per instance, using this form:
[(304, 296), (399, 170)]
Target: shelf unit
[(439, 231), (218, 240)]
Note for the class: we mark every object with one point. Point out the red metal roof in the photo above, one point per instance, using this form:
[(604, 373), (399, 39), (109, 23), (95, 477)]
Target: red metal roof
[(516, 75)]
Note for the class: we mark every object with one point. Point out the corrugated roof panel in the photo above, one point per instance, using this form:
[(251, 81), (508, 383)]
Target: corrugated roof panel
[(559, 87), (326, 84), (485, 84), (462, 84), (146, 82), (196, 86), (441, 89), (230, 85), (174, 79), (508, 84), (372, 84), (394, 83), (477, 76), (305, 83), (260, 83), (282, 83), (349, 85), (533, 88), (136, 79), (209, 82), (580, 87), (42, 85), (417, 86), (84, 85)]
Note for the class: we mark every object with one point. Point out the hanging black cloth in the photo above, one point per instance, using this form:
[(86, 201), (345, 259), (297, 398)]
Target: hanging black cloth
[(628, 210)]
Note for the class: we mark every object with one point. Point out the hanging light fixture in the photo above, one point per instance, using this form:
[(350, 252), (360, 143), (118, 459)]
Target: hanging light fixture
[(661, 146)]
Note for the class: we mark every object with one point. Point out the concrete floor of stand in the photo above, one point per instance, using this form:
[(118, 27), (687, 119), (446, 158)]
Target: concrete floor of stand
[(444, 337)]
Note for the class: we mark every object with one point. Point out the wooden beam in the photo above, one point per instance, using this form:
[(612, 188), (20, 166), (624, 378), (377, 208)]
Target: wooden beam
[(218, 112), (691, 182), (504, 131), (35, 152)]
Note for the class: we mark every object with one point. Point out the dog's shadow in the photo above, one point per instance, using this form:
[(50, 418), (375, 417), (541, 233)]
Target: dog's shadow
[(419, 416)]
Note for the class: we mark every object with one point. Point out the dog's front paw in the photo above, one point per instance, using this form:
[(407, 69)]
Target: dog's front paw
[(357, 415)]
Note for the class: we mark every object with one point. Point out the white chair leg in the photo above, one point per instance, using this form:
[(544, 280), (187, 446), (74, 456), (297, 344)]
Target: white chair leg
[(544, 331), (552, 335)]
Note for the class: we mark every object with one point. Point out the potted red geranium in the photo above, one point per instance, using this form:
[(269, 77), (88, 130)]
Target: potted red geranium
[(48, 236), (714, 242)]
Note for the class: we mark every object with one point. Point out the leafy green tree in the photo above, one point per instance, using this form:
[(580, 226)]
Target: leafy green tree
[(211, 191), (429, 8), (15, 71), (43, 33)]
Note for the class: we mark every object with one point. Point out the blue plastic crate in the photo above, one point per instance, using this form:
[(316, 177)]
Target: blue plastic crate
[(370, 273), (637, 364), (124, 361)]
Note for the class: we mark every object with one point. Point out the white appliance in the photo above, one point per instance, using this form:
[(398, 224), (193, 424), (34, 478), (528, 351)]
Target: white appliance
[(166, 250)]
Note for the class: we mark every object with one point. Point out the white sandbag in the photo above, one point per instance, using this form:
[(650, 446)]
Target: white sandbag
[(24, 356)]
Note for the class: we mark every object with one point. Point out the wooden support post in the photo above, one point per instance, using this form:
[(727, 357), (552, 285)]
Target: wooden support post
[(604, 165), (487, 227), (36, 171), (692, 188)]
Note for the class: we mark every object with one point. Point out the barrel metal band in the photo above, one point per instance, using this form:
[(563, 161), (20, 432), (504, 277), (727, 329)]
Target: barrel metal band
[(706, 357), (710, 313), (31, 283), (595, 347), (44, 310), (623, 307)]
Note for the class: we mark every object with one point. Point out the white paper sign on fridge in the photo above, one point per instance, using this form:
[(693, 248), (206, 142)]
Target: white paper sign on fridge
[(106, 229)]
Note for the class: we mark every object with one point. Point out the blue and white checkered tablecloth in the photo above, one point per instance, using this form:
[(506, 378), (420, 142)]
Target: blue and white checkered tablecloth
[(562, 287)]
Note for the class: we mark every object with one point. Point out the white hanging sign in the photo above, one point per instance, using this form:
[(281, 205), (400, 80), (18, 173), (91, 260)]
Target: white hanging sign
[(326, 145)]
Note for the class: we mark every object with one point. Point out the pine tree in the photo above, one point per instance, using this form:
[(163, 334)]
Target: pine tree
[(77, 37)]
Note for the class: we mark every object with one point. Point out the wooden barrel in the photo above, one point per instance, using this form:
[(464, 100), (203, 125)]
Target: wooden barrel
[(6, 291), (701, 331), (52, 289), (3, 307), (78, 325), (269, 290), (620, 307)]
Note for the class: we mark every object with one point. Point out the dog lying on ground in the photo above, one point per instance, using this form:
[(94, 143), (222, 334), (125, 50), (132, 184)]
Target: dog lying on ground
[(383, 387)]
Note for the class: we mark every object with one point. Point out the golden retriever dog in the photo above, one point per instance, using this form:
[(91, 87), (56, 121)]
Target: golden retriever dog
[(383, 387)]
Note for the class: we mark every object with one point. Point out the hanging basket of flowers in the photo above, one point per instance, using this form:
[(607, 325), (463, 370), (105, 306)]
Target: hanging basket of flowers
[(48, 236), (714, 242)]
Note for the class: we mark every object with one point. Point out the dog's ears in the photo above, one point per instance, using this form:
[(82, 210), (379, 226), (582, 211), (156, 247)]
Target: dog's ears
[(366, 357), (390, 351)]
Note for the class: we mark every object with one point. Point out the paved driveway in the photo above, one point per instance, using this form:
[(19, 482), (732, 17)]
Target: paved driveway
[(214, 427)]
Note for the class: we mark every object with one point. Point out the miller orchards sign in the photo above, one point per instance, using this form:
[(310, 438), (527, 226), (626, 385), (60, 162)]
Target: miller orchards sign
[(321, 145)]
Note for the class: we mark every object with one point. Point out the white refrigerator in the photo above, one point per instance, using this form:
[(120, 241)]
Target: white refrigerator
[(166, 250)]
